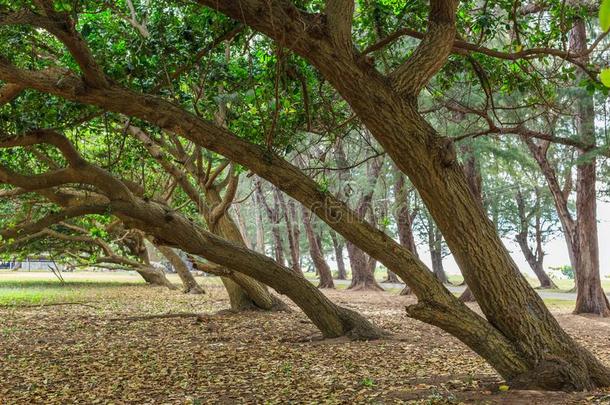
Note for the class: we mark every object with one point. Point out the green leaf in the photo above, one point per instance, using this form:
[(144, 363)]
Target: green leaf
[(604, 15), (604, 76)]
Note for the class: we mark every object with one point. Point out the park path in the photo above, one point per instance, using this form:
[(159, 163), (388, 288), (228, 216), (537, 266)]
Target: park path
[(558, 295)]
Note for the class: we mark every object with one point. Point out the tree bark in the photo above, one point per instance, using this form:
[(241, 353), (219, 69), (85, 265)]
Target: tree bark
[(535, 259), (435, 243), (590, 297), (293, 234), (322, 268), (273, 213), (523, 340), (338, 247), (244, 292), (363, 277), (188, 281), (172, 228)]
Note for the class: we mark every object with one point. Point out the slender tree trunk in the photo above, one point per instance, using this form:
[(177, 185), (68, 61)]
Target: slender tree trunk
[(338, 247), (296, 231), (435, 243), (534, 259), (322, 268), (260, 230), (590, 297), (293, 241), (242, 226), (362, 276), (273, 213), (188, 281)]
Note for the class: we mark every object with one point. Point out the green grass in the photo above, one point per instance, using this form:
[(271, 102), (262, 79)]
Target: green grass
[(34, 288)]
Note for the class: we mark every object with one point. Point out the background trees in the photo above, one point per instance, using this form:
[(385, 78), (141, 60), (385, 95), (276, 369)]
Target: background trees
[(314, 98)]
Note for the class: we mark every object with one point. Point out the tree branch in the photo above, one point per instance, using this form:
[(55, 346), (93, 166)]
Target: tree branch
[(431, 53)]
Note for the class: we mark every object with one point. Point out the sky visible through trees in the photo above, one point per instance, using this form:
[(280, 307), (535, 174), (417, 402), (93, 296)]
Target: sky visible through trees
[(290, 148)]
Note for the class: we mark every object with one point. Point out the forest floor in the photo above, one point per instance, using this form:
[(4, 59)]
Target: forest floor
[(88, 341)]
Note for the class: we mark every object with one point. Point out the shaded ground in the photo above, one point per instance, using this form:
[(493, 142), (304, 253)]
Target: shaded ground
[(84, 354)]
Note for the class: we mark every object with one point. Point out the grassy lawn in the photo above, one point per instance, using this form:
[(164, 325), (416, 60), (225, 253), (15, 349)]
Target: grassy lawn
[(40, 288), (34, 288)]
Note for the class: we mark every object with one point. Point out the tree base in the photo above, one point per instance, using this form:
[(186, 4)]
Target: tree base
[(195, 291), (365, 286), (358, 328)]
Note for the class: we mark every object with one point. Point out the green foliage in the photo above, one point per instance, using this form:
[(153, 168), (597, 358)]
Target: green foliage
[(604, 15), (566, 270)]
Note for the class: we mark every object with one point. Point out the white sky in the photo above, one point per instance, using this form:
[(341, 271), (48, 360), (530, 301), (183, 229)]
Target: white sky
[(556, 252)]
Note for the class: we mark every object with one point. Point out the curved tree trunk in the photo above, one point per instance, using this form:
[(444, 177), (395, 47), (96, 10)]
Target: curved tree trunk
[(322, 268), (244, 292), (174, 229), (188, 281), (523, 341)]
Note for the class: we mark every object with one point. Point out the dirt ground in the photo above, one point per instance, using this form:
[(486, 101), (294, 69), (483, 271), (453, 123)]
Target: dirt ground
[(102, 352)]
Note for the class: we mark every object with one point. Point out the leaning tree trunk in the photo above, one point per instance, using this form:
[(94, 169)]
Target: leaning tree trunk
[(135, 242), (188, 281), (338, 247), (322, 268), (244, 292), (523, 341), (174, 229), (154, 276), (590, 297)]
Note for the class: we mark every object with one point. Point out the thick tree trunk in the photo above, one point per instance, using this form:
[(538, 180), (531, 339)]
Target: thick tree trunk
[(244, 292), (154, 276), (590, 297), (338, 247), (332, 320), (522, 339), (188, 281), (322, 268), (553, 359)]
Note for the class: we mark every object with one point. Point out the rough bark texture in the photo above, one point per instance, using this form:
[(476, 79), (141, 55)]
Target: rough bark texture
[(188, 281), (590, 297), (172, 228), (522, 339), (244, 292)]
